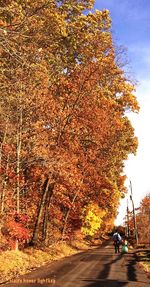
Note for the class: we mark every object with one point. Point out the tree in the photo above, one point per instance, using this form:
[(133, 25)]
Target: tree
[(143, 220), (60, 80)]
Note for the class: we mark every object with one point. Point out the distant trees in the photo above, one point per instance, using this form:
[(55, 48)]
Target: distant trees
[(143, 220), (64, 133)]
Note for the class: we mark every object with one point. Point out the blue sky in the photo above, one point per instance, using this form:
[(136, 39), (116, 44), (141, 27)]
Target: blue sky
[(131, 28)]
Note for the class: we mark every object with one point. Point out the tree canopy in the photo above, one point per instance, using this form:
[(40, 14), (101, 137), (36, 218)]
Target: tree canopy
[(64, 133)]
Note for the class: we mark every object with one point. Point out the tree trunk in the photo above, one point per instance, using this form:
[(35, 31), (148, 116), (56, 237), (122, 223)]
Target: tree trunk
[(25, 188), (16, 245), (3, 141), (1, 150), (47, 190), (18, 154), (45, 219), (18, 171), (4, 187), (67, 216)]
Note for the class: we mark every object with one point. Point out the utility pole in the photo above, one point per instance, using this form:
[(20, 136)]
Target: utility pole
[(134, 216), (128, 229)]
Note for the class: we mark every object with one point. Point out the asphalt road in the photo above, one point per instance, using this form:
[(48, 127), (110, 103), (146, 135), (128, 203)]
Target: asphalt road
[(99, 267)]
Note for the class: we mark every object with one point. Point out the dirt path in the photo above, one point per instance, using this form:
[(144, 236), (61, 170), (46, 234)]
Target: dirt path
[(99, 267)]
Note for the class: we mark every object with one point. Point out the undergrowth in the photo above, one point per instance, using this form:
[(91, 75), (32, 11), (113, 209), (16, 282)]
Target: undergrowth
[(14, 263)]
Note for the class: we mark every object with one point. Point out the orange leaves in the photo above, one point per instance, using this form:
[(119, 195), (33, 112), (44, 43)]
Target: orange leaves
[(145, 204), (142, 220), (67, 99), (16, 229)]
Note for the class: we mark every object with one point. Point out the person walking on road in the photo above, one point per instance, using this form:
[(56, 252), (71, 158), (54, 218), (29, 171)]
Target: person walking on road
[(117, 241)]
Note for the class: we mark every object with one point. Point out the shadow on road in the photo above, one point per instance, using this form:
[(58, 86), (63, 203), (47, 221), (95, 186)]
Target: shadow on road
[(103, 281), (117, 271), (131, 270), (106, 283), (105, 271)]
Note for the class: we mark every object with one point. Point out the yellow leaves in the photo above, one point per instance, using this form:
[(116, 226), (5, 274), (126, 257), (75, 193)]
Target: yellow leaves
[(5, 32), (74, 102), (130, 101), (105, 14), (92, 219), (64, 32)]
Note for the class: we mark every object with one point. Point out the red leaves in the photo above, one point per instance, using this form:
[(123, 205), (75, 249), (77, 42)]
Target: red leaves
[(15, 227), (17, 231), (65, 99)]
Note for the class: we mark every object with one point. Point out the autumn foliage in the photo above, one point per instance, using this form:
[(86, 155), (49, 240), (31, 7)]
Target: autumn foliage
[(64, 130), (142, 222)]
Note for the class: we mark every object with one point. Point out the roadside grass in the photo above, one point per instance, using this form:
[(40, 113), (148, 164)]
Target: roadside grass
[(144, 259), (15, 262)]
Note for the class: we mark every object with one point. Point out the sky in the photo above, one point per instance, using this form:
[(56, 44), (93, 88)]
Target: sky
[(131, 28)]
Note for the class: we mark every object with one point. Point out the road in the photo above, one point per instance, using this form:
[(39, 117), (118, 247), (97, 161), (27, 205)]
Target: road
[(98, 267)]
